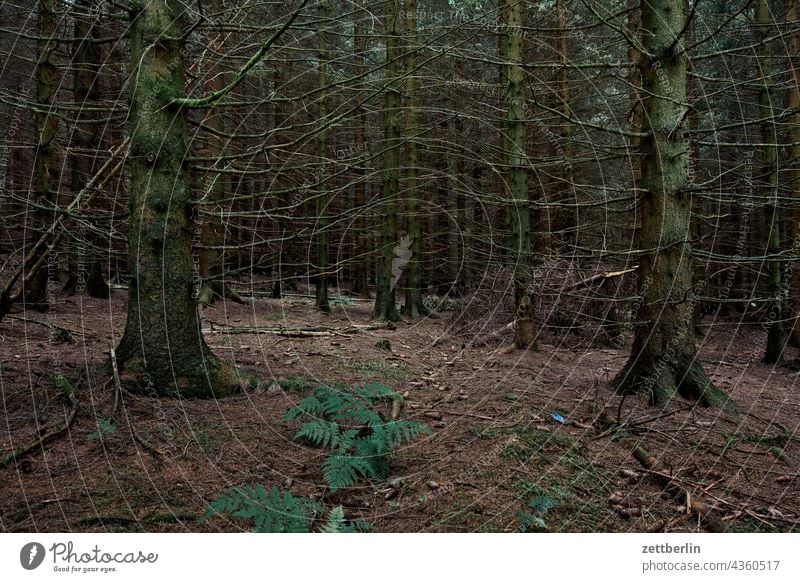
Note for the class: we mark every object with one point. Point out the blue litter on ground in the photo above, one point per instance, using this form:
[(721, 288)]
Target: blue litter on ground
[(558, 418)]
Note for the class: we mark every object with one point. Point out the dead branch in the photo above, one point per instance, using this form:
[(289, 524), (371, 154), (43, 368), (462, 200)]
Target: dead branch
[(602, 277), (117, 383), (42, 440), (150, 448), (707, 517), (37, 257), (322, 331)]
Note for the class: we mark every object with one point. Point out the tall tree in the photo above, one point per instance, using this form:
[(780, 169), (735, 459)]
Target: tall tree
[(517, 178), (162, 350), (413, 305), (323, 198), (793, 138), (86, 138), (663, 359), (45, 172), (768, 161), (568, 214), (361, 258), (211, 239), (388, 269)]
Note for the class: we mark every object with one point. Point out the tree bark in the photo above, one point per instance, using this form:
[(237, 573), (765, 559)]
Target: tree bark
[(211, 255), (517, 189), (768, 182), (163, 352), (45, 174), (663, 359), (569, 218), (361, 256), (413, 305), (793, 137), (323, 198), (86, 139), (385, 305)]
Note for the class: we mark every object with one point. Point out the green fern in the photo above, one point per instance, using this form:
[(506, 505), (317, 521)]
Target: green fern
[(335, 522), (276, 512), (270, 512), (357, 436)]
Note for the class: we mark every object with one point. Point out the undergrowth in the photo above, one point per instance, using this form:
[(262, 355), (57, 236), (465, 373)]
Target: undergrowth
[(359, 439), (274, 511)]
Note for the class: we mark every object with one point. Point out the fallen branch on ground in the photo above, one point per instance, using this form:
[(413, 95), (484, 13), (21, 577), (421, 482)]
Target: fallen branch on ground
[(321, 331), (68, 391), (707, 517)]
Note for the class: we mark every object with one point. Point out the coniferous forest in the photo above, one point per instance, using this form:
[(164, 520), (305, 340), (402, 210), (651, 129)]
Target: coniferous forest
[(400, 266)]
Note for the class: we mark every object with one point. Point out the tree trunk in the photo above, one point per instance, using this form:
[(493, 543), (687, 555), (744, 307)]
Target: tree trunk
[(45, 174), (568, 221), (86, 139), (664, 359), (768, 182), (323, 199), (793, 137), (517, 189), (286, 269), (388, 270), (413, 306), (211, 255), (361, 256), (162, 351)]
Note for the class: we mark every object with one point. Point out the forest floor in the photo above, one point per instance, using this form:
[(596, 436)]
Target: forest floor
[(497, 458)]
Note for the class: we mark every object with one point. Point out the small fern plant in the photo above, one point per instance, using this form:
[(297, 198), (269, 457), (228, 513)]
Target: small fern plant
[(347, 424), (274, 511)]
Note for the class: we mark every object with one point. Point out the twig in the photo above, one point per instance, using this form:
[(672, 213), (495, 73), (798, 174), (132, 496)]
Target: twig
[(47, 437), (37, 256), (453, 413), (152, 449), (117, 383), (707, 517), (323, 331), (600, 277)]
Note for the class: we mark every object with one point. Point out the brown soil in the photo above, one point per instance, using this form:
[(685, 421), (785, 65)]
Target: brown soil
[(495, 446)]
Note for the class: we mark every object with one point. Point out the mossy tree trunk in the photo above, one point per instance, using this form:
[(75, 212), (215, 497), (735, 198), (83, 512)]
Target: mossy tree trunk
[(413, 306), (768, 182), (386, 280), (517, 181), (323, 199), (162, 351), (663, 359), (45, 173)]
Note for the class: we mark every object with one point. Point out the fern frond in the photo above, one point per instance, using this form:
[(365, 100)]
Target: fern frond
[(333, 401), (397, 432), (309, 406), (362, 416), (346, 440), (319, 433), (270, 512), (335, 522), (375, 461), (374, 393), (344, 470)]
